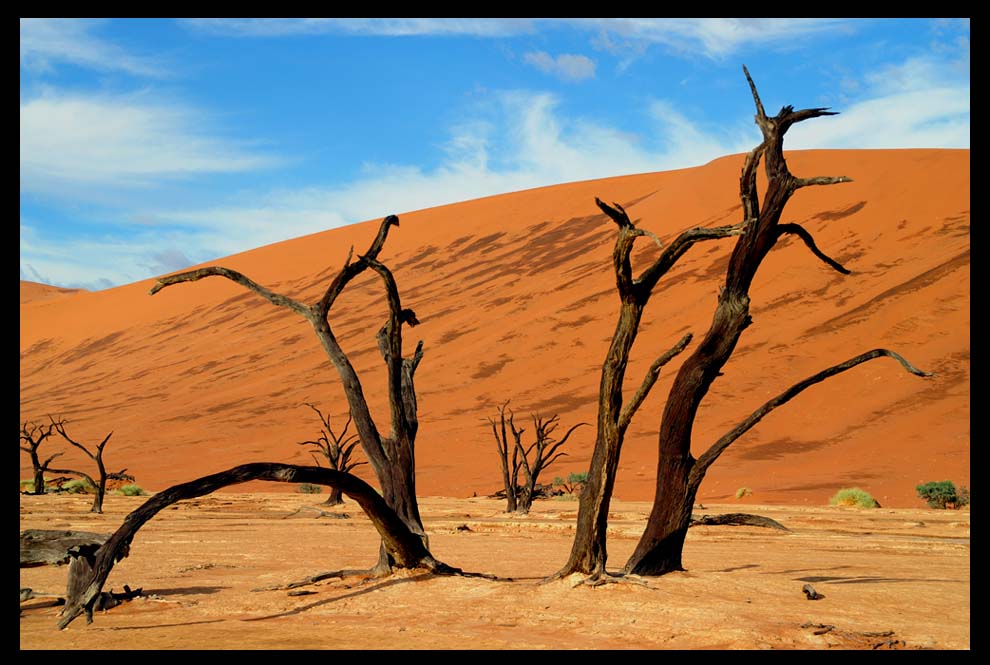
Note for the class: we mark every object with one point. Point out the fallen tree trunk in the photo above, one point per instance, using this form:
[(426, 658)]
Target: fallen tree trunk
[(737, 519), (43, 547), (87, 576)]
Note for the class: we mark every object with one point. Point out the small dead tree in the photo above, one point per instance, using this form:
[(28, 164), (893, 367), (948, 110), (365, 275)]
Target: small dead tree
[(391, 456), (679, 474), (530, 460), (33, 435), (101, 484), (336, 449)]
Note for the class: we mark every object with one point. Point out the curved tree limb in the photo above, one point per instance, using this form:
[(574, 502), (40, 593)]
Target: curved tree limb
[(234, 276), (809, 240), (407, 549), (352, 270), (652, 374), (713, 453), (821, 180)]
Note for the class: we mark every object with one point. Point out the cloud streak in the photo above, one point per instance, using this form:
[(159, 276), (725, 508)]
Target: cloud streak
[(45, 41), (76, 141), (712, 37), (394, 27), (567, 66)]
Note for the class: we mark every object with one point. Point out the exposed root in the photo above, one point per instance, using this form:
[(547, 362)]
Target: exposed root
[(597, 579), (369, 574)]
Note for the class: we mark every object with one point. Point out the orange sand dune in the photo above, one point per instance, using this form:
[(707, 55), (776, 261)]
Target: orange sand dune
[(517, 301), (32, 291)]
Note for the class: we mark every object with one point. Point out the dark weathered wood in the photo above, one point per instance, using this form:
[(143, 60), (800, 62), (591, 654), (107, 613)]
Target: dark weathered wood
[(43, 547), (392, 457), (679, 475), (737, 519), (89, 569), (589, 551)]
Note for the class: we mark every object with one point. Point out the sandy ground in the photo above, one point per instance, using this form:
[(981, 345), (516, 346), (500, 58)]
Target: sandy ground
[(891, 579)]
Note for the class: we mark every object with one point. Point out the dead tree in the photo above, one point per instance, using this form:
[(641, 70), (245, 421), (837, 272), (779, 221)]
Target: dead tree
[(509, 462), (33, 435), (336, 449), (101, 484), (678, 474), (88, 572), (391, 456), (531, 461)]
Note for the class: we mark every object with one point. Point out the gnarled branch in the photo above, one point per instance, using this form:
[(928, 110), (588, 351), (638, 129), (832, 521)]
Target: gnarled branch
[(712, 454), (629, 410), (234, 276), (809, 240)]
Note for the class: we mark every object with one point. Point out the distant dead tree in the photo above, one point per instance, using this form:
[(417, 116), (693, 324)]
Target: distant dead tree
[(34, 434), (336, 449), (530, 460), (678, 473), (393, 456), (101, 484)]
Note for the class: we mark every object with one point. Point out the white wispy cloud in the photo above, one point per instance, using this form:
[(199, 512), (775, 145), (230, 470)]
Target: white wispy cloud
[(46, 41), (75, 141), (568, 66), (276, 27), (713, 37), (920, 103)]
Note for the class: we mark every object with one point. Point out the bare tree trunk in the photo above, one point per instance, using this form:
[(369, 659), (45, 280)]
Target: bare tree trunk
[(405, 549), (391, 457), (336, 498), (679, 475)]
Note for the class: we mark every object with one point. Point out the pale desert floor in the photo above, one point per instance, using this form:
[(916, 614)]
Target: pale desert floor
[(891, 578)]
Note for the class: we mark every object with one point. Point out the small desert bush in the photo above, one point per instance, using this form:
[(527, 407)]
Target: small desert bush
[(943, 494), (78, 486), (743, 491), (27, 485), (853, 496), (131, 490), (310, 488)]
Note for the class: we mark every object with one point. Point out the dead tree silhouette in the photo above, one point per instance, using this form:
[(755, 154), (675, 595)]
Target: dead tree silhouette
[(393, 456), (678, 473)]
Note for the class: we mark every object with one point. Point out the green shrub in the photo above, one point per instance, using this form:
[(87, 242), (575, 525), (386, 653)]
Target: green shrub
[(79, 486), (854, 496), (557, 482), (131, 490), (309, 488), (27, 485), (943, 494), (743, 491), (578, 477)]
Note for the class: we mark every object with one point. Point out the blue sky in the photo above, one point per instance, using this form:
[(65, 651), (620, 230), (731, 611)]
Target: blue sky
[(149, 145)]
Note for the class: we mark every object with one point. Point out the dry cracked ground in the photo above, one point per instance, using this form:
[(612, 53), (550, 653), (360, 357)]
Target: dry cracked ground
[(889, 579)]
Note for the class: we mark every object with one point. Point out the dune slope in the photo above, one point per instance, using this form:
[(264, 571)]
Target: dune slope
[(517, 301)]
